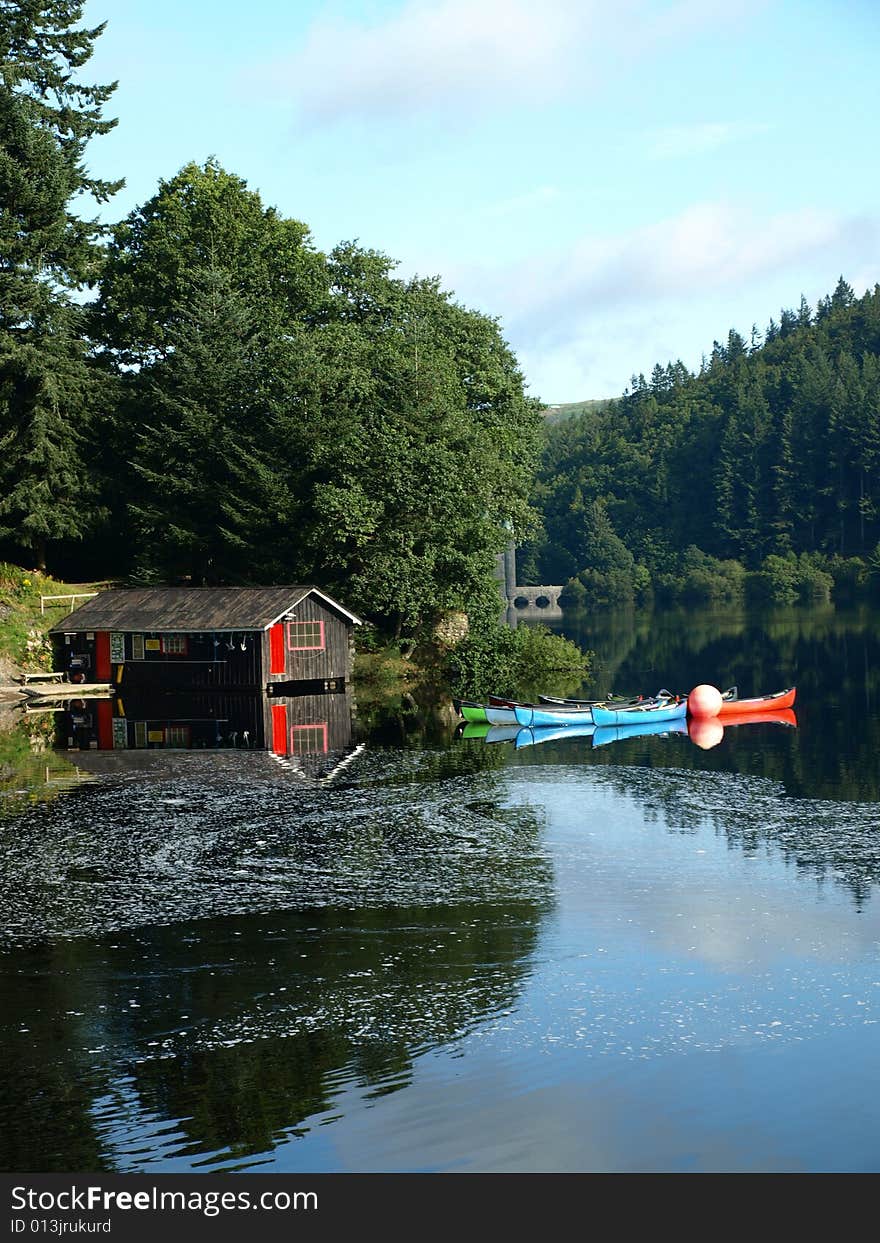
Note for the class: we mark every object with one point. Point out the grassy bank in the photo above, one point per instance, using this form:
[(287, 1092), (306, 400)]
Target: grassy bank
[(24, 624)]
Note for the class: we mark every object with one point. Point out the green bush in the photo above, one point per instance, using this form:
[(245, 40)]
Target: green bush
[(498, 660), (789, 578), (573, 594), (642, 581), (853, 575), (702, 579), (18, 583), (608, 586), (815, 582), (368, 638), (776, 582)]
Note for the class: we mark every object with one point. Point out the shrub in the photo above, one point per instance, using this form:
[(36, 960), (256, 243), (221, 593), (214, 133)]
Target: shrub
[(852, 575), (702, 579), (815, 582), (498, 659), (608, 586), (789, 578), (642, 581), (573, 594), (776, 582)]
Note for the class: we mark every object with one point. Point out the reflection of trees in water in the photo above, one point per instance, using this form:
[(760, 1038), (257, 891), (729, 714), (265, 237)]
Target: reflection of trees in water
[(238, 1031), (832, 656), (49, 1007), (30, 770), (369, 996), (823, 839)]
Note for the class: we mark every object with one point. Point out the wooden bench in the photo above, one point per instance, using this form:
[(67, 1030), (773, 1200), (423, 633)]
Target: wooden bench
[(42, 676)]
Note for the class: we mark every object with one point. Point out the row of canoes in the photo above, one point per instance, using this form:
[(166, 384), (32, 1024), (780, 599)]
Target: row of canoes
[(661, 708), (705, 733)]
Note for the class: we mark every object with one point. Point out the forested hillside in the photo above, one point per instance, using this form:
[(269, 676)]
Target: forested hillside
[(761, 470)]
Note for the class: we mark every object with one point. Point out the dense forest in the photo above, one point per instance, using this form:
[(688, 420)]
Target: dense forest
[(200, 395), (759, 472)]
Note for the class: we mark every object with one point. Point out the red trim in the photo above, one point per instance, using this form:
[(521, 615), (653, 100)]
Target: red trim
[(279, 729), (307, 647), (105, 722), (102, 656), (277, 657)]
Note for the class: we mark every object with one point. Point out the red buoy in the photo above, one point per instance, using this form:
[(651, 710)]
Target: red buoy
[(705, 731), (704, 700)]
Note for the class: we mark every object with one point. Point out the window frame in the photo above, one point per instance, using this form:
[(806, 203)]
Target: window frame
[(319, 730), (307, 647), (165, 639), (178, 737)]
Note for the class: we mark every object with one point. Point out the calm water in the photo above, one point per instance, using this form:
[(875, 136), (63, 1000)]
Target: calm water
[(460, 955)]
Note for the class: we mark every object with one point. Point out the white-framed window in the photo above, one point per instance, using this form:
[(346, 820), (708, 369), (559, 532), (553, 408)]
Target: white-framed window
[(305, 636), (175, 645)]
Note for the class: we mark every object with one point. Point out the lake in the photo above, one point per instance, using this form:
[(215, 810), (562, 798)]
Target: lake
[(451, 954)]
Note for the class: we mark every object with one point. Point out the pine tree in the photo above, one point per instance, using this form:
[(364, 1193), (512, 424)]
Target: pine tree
[(46, 120), (42, 379), (208, 496), (843, 296)]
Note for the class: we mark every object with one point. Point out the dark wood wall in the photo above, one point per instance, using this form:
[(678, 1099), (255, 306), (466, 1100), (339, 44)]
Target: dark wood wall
[(212, 660), (333, 662)]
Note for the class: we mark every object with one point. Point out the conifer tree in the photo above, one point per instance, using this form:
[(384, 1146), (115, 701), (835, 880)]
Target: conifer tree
[(208, 502), (46, 120)]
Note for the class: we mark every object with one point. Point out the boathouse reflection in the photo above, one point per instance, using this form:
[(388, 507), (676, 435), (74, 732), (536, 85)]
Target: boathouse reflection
[(308, 733)]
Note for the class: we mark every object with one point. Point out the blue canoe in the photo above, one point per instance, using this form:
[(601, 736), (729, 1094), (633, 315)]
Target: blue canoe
[(617, 733), (669, 711), (529, 737), (530, 715)]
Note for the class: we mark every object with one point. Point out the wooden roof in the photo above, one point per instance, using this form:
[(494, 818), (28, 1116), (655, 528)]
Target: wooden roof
[(188, 609)]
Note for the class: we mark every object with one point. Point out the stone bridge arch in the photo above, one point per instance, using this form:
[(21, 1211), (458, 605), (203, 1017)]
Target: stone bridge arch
[(536, 597)]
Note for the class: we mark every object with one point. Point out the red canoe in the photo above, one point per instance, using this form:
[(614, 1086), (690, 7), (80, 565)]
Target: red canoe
[(784, 716), (763, 703)]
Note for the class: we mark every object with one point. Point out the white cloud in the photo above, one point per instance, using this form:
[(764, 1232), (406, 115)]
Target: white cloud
[(582, 319), (454, 56), (451, 53), (707, 246), (677, 141)]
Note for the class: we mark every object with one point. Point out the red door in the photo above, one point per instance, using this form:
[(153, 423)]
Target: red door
[(279, 729), (277, 663), (105, 724), (102, 656)]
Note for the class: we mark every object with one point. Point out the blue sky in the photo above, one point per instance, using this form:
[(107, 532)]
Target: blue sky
[(618, 183)]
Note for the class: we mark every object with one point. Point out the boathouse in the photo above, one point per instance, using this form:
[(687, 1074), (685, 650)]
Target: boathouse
[(197, 638)]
